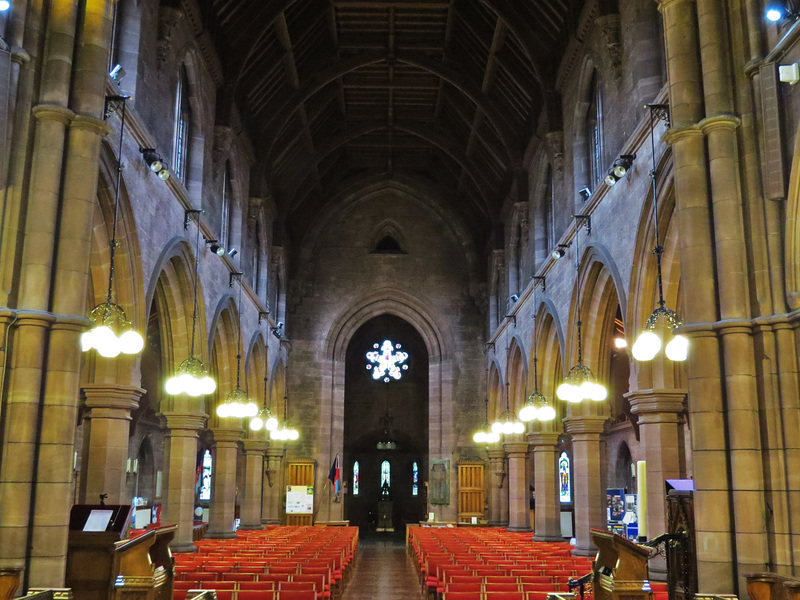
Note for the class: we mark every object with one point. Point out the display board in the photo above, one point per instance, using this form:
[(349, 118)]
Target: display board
[(299, 500)]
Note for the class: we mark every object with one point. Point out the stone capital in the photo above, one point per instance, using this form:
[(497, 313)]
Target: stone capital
[(254, 446), (52, 112), (496, 454), (678, 134), (192, 422), (665, 4), (728, 122), (586, 425), (111, 400), (91, 124), (226, 436), (543, 439), (516, 449), (274, 453), (650, 402)]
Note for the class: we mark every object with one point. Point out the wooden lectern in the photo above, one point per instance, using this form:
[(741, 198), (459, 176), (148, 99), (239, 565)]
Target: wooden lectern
[(103, 566), (620, 568)]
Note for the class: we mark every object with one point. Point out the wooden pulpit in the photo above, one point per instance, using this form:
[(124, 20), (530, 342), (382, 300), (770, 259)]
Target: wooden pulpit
[(620, 568)]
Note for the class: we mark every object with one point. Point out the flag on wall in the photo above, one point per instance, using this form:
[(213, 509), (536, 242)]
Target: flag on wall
[(334, 476)]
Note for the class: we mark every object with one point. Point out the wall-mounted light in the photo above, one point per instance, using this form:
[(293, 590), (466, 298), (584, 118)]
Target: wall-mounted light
[(277, 331), (514, 298), (619, 169), (779, 11), (215, 247), (233, 252), (585, 193), (155, 163), (4, 5), (117, 73), (560, 251)]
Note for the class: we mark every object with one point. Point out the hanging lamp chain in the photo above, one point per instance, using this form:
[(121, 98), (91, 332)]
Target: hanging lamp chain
[(578, 289), (113, 243), (657, 112), (196, 277)]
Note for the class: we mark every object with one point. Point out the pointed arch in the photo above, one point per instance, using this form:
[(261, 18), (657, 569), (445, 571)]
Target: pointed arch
[(517, 374), (223, 343)]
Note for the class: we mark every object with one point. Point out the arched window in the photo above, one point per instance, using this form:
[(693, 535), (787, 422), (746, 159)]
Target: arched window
[(227, 200), (564, 479), (414, 479), (355, 478), (205, 477), (183, 121), (594, 130), (256, 258), (386, 475)]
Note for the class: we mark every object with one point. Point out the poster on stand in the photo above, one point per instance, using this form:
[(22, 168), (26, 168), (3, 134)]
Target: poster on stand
[(299, 500)]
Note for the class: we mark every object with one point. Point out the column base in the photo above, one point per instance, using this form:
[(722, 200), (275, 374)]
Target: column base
[(548, 538), (270, 521), (502, 524), (251, 526), (519, 529), (183, 547), (580, 551), (221, 535)]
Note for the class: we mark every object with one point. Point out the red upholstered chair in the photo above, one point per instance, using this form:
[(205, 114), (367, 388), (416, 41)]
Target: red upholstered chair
[(500, 579), (323, 590), (289, 569), (462, 596), (504, 596), (256, 586), (297, 585), (224, 594), (238, 576), (201, 576), (540, 587), (463, 587), (501, 587), (219, 585), (296, 595), (536, 595), (185, 585), (274, 577), (256, 595)]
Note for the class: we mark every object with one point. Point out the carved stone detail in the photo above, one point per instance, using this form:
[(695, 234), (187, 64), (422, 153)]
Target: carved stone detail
[(223, 139), (555, 151), (168, 21), (609, 26)]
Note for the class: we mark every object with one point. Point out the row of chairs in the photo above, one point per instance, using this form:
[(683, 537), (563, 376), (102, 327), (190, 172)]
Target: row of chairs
[(261, 595)]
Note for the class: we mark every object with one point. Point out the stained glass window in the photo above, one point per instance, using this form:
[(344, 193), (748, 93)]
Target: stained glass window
[(205, 477), (355, 478), (386, 476), (414, 479), (386, 361), (564, 485)]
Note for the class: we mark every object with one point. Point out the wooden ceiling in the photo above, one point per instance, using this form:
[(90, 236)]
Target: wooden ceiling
[(447, 92)]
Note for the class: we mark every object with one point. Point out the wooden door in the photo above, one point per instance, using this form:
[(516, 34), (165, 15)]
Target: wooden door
[(471, 491), (301, 472)]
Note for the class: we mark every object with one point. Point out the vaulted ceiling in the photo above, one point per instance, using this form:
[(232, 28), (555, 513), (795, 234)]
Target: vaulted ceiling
[(447, 92)]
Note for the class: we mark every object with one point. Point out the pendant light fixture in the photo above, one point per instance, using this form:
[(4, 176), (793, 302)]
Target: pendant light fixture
[(191, 377), (285, 432), (237, 403), (113, 333), (580, 383), (264, 419), (648, 343), (508, 423), (485, 435), (537, 407)]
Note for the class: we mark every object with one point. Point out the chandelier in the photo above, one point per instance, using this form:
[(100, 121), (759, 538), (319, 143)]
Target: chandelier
[(113, 333), (508, 423), (580, 383), (648, 343), (237, 403), (537, 407), (264, 419), (485, 435), (191, 377), (285, 432)]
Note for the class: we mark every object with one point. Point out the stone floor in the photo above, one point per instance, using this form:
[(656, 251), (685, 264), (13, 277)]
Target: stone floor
[(382, 571)]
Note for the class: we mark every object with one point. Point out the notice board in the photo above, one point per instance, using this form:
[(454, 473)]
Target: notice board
[(299, 500)]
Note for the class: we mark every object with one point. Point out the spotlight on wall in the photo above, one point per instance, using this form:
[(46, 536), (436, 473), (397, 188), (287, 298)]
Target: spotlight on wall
[(117, 73), (619, 169), (560, 251), (155, 163), (277, 331), (514, 298), (585, 193), (777, 11), (4, 5), (233, 252), (215, 247)]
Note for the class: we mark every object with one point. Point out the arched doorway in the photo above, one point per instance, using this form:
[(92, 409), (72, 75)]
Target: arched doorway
[(385, 424)]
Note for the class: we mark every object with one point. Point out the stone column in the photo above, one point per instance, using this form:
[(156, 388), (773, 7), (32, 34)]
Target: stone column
[(659, 425), (519, 515), (105, 440), (590, 497), (254, 474), (223, 484), (498, 497), (548, 507), (180, 473), (273, 486)]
